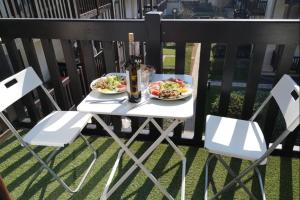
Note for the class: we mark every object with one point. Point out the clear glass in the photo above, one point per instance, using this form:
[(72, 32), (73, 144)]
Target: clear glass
[(146, 74)]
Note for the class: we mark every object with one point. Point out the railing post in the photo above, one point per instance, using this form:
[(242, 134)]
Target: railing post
[(154, 51), (283, 67), (153, 43)]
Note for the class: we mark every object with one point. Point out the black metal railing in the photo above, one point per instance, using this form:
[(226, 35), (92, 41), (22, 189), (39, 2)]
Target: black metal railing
[(154, 31), (55, 9)]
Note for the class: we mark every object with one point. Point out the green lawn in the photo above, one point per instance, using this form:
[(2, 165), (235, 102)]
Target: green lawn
[(169, 62), (17, 167), (167, 51)]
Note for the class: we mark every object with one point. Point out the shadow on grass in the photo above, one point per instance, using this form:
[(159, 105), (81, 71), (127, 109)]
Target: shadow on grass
[(199, 189), (42, 184), (26, 174), (157, 171), (286, 179), (235, 164), (175, 185), (76, 174), (11, 152), (9, 169), (124, 186)]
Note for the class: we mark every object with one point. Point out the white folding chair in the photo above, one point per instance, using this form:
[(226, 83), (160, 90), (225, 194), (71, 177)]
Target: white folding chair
[(245, 140), (58, 129)]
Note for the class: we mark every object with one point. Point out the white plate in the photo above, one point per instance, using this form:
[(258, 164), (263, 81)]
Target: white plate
[(182, 96), (103, 91)]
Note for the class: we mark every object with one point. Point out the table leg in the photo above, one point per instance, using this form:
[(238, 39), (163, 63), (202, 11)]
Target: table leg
[(183, 158), (114, 169), (138, 162)]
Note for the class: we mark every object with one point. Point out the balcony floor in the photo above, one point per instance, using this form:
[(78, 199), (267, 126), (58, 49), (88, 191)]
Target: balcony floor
[(17, 167)]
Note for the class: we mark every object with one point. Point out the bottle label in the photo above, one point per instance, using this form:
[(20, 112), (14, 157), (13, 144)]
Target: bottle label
[(139, 79), (128, 81)]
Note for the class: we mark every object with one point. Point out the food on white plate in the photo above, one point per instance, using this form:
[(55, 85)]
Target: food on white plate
[(169, 89), (110, 84)]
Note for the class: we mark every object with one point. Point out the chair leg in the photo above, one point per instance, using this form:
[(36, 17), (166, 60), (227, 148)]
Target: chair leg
[(236, 178), (211, 156), (38, 172), (234, 175), (260, 183), (59, 179)]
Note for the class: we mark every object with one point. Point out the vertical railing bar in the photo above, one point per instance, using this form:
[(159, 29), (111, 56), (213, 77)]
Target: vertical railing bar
[(45, 9), (154, 52), (14, 8), (200, 112), (26, 8), (59, 8), (33, 61), (55, 15), (179, 69), (5, 68), (60, 92), (64, 9), (30, 8), (227, 78), (50, 8), (40, 8), (180, 58), (272, 112), (75, 85), (7, 71), (253, 79), (17, 65), (7, 8), (109, 56), (70, 10), (154, 45), (21, 8), (2, 10), (76, 8), (89, 65)]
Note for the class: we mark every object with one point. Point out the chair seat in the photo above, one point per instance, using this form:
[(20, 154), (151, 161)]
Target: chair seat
[(57, 129), (235, 138)]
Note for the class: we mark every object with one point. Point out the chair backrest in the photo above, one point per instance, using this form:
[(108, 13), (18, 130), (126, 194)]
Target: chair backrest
[(16, 86), (286, 93)]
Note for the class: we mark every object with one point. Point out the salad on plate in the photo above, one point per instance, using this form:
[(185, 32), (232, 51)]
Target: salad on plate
[(170, 89), (110, 84)]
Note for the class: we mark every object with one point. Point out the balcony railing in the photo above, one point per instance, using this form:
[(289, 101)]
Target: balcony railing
[(55, 8), (153, 31)]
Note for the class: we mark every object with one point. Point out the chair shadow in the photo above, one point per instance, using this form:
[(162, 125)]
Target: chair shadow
[(42, 184), (75, 174)]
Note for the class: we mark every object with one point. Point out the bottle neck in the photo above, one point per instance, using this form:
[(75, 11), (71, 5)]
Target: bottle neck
[(132, 49)]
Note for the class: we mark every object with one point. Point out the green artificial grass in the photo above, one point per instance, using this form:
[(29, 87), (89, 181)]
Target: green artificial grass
[(168, 51), (169, 62), (17, 167)]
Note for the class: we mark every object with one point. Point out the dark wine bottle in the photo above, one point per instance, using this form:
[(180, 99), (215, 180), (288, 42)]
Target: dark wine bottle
[(133, 72)]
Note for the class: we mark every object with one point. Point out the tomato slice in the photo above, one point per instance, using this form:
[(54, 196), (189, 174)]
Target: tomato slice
[(121, 88), (155, 92)]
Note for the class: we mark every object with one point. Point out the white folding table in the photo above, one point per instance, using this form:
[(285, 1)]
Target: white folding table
[(177, 111)]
